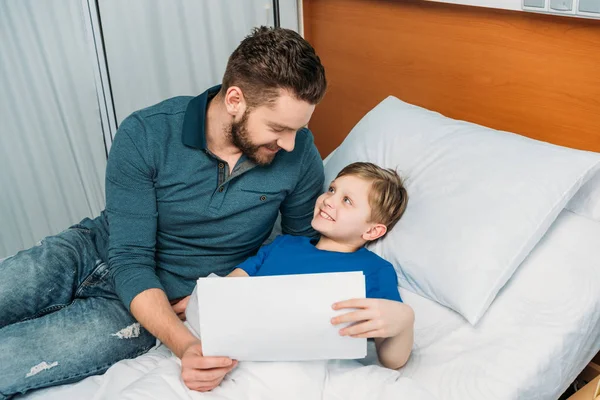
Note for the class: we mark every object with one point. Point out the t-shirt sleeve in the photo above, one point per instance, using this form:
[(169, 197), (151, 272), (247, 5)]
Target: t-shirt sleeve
[(253, 264), (384, 284)]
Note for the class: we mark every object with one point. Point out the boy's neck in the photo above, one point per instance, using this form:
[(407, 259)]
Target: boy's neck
[(328, 244)]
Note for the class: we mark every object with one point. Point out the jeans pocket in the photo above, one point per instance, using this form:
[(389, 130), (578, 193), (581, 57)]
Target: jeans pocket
[(97, 276)]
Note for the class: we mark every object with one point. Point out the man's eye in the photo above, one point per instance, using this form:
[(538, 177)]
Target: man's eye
[(347, 200)]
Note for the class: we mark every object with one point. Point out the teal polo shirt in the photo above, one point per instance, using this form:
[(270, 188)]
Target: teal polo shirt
[(175, 211)]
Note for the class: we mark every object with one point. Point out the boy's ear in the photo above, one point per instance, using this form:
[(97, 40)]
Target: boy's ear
[(375, 232)]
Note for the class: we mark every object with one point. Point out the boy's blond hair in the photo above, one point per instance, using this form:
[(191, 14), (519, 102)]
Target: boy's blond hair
[(388, 197)]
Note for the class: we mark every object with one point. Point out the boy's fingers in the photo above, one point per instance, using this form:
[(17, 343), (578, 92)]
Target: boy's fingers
[(352, 303), (359, 328), (371, 334), (355, 316), (181, 305)]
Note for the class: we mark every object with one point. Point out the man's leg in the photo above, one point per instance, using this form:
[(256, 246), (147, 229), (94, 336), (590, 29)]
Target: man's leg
[(60, 319), (45, 277), (82, 339)]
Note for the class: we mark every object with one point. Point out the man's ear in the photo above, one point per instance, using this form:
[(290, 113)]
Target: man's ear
[(375, 232), (235, 102)]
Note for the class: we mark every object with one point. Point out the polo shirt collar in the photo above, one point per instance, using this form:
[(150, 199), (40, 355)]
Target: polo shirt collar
[(194, 122)]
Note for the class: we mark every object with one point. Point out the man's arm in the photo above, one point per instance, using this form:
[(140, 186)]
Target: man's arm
[(297, 209), (132, 217)]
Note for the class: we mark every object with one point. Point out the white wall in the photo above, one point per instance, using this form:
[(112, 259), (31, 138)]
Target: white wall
[(158, 49), (52, 156)]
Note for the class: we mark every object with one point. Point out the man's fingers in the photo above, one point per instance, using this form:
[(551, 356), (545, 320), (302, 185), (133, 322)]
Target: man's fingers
[(198, 379), (204, 386), (200, 362), (352, 303), (204, 376), (355, 316)]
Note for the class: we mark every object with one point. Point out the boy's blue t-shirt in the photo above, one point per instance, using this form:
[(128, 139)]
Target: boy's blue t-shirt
[(288, 255)]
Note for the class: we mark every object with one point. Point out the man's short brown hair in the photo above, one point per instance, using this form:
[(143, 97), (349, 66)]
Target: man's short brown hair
[(270, 59), (388, 197)]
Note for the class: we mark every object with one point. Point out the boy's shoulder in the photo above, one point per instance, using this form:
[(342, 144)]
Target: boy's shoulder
[(373, 257), (290, 240)]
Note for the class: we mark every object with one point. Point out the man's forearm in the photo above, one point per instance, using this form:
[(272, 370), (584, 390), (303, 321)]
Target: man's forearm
[(152, 309)]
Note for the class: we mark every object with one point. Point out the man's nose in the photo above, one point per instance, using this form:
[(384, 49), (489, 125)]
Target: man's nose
[(287, 141)]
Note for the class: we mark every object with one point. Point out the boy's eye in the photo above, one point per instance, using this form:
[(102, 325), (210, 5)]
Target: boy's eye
[(347, 200), (331, 189)]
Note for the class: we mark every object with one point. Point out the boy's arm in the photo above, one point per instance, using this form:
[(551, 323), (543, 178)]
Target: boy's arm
[(390, 322), (393, 352), (238, 272)]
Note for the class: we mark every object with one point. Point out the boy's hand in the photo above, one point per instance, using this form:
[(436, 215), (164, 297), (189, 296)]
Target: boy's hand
[(180, 306), (375, 318)]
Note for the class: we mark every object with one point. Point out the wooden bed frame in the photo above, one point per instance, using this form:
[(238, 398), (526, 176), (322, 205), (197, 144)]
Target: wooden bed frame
[(536, 75)]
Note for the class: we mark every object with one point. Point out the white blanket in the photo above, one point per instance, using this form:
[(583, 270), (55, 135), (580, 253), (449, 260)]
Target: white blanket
[(157, 375)]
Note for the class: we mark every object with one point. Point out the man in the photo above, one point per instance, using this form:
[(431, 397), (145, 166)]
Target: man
[(193, 186)]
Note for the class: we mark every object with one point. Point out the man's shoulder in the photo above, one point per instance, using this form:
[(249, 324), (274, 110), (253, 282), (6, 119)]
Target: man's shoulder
[(172, 106), (156, 122)]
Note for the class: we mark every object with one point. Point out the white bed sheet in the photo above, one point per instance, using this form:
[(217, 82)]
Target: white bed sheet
[(543, 328), (540, 332)]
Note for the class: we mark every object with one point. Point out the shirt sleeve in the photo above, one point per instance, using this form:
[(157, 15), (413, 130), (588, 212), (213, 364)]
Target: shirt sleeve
[(297, 209), (384, 284), (132, 212), (252, 264)]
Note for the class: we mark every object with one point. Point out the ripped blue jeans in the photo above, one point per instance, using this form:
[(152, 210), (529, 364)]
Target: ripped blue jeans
[(60, 319)]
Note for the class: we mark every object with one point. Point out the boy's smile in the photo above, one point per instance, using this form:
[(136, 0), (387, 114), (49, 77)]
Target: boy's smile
[(343, 212)]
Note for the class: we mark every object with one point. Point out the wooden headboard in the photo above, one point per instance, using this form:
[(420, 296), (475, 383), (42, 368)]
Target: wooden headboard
[(536, 75)]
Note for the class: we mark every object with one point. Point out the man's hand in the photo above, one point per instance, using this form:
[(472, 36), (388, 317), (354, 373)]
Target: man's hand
[(203, 373), (374, 318), (180, 306)]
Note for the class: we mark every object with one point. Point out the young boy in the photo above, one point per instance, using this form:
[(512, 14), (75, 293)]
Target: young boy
[(362, 204)]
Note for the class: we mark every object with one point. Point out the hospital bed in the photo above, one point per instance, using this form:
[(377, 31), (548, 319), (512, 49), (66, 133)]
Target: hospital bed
[(533, 75), (539, 332)]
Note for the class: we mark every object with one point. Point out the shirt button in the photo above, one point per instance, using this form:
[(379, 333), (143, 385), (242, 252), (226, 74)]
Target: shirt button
[(221, 189), (263, 198), (221, 165)]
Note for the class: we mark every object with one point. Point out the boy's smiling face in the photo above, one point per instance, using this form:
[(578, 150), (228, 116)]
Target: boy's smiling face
[(343, 213)]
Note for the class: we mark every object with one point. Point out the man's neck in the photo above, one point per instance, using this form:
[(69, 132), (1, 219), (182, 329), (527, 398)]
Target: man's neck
[(328, 244), (216, 126)]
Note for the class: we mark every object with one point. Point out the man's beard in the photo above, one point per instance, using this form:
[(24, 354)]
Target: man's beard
[(238, 132)]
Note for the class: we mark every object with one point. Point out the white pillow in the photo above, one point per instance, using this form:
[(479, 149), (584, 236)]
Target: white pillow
[(586, 201), (479, 199)]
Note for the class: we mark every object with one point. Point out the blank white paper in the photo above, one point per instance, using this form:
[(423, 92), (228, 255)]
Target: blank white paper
[(278, 318)]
